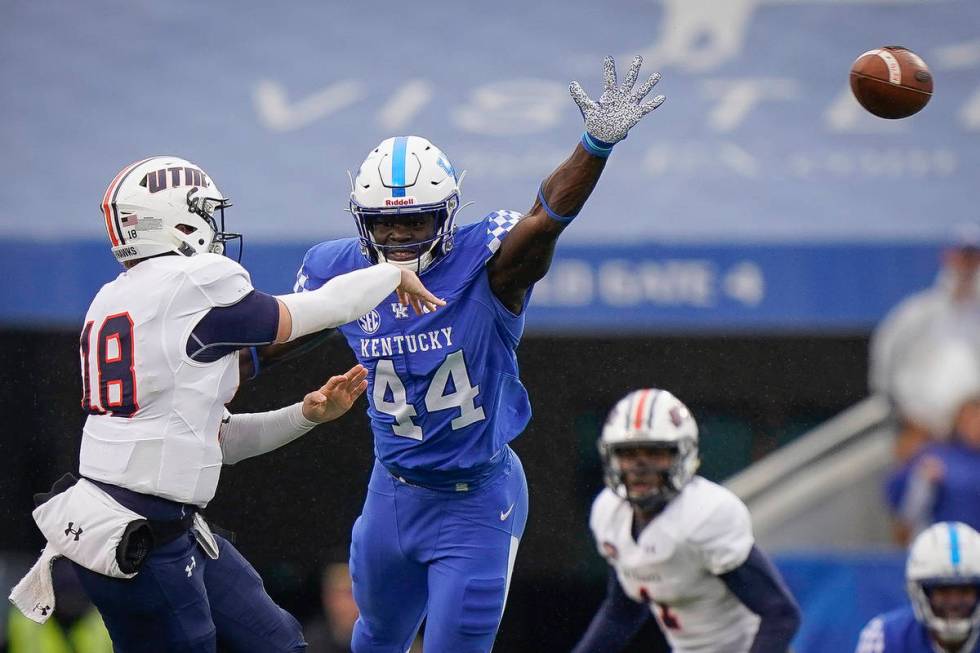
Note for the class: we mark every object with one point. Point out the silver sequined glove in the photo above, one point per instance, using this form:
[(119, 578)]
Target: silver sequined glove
[(618, 109)]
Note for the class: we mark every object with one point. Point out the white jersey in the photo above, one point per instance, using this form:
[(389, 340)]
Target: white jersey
[(704, 532), (154, 412)]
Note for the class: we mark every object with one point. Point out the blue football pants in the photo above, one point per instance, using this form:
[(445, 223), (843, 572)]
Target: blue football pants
[(444, 556), (182, 601)]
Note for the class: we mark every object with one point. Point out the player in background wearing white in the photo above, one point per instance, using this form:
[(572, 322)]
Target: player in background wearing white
[(677, 544), (943, 581), (160, 354)]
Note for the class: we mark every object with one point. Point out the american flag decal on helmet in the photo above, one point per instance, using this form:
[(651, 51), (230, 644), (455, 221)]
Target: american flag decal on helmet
[(109, 212)]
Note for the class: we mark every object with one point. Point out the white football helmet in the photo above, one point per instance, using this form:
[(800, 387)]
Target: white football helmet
[(656, 419), (406, 175), (164, 204), (945, 554)]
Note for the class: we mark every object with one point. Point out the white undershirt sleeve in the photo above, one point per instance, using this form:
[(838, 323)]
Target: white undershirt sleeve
[(341, 300), (246, 435)]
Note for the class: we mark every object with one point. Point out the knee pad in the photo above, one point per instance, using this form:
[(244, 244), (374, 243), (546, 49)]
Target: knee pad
[(482, 606)]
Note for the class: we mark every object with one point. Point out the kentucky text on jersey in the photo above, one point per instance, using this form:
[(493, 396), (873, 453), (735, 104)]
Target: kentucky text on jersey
[(408, 343), (444, 393)]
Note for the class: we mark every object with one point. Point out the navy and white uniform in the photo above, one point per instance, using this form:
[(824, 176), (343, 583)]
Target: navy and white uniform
[(159, 361), (447, 501)]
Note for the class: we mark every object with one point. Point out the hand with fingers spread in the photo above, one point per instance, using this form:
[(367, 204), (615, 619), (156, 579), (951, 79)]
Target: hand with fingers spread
[(336, 396), (411, 292), (619, 108)]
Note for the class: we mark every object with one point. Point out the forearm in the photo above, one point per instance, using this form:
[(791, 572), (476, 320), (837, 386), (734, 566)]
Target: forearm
[(918, 500), (759, 587), (608, 632), (246, 435), (616, 622), (253, 360), (341, 300), (525, 256), (563, 194)]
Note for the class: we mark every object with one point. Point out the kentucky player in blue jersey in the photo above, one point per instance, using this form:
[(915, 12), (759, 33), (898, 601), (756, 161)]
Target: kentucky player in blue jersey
[(447, 501), (943, 581)]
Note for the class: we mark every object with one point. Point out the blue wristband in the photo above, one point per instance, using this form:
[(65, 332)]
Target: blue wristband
[(564, 219), (595, 147), (255, 362)]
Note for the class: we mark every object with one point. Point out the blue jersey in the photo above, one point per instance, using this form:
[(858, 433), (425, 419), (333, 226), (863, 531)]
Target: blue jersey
[(957, 494), (899, 631), (444, 394)]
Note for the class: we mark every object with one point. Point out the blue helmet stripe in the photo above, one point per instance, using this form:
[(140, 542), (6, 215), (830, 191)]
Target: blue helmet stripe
[(398, 166), (954, 544)]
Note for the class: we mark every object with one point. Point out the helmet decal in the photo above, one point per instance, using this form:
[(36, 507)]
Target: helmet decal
[(398, 166), (109, 211)]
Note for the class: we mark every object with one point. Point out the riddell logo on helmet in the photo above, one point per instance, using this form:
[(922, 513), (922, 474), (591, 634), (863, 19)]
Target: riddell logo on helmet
[(400, 201)]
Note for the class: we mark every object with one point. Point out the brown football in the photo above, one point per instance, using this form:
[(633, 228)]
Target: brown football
[(891, 81)]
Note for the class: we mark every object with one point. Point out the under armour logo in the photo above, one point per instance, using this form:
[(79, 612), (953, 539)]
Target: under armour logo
[(43, 609), (190, 568), (71, 530), (400, 310), (370, 322)]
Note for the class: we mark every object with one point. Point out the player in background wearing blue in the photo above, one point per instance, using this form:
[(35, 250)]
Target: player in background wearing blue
[(447, 500), (943, 581)]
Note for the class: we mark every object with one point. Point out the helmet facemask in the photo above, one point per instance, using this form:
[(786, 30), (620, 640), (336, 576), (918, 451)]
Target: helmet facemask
[(206, 207), (632, 470), (426, 250), (949, 607), (943, 581), (405, 176)]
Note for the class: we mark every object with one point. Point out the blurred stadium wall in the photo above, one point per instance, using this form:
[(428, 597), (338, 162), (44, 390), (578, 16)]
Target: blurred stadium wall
[(738, 250)]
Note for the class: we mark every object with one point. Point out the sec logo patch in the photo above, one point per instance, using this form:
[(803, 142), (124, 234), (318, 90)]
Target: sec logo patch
[(370, 322)]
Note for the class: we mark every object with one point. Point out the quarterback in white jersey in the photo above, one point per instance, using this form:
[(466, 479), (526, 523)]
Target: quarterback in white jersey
[(678, 546), (159, 353)]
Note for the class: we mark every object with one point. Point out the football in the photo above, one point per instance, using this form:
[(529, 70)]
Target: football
[(891, 82)]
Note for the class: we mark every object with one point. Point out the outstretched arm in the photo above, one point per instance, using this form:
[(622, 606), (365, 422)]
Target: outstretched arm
[(525, 256), (617, 621), (245, 435)]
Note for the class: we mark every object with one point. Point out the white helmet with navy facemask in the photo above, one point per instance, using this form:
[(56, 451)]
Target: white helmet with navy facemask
[(656, 419), (946, 554), (406, 176), (163, 205)]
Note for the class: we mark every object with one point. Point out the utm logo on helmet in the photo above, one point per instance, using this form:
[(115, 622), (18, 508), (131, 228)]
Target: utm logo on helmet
[(164, 204), (405, 176)]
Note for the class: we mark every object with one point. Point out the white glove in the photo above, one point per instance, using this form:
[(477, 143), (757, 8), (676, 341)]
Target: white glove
[(619, 107)]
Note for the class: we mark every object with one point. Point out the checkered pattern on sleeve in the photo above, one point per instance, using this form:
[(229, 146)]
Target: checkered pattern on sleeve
[(301, 279), (498, 224), (872, 639)]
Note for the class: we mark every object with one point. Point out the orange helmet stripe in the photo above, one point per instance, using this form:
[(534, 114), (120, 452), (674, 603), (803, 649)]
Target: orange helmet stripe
[(114, 237), (638, 415)]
